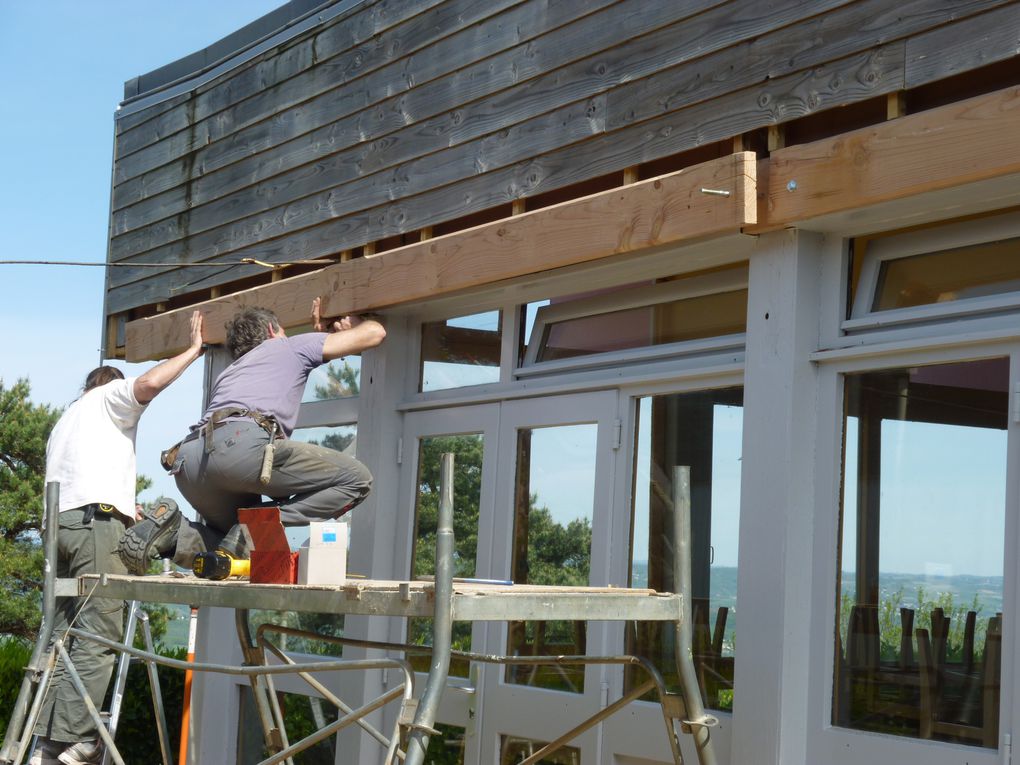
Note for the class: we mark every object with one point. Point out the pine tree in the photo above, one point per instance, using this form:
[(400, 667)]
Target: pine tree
[(24, 429)]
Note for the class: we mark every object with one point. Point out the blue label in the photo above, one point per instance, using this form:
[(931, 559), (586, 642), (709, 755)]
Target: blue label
[(329, 536)]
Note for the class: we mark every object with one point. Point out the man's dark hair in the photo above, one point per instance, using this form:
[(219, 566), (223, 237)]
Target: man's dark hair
[(249, 328), (101, 376)]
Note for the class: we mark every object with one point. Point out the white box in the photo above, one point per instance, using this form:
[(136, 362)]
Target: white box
[(322, 559)]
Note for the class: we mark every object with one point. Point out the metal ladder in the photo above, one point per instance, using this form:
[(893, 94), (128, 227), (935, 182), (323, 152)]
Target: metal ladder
[(18, 741)]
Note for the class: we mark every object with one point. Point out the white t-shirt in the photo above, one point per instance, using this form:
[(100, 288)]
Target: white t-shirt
[(91, 451)]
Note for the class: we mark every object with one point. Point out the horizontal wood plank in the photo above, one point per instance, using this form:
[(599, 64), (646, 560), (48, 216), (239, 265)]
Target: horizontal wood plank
[(964, 45), (832, 32), (442, 103), (664, 210), (871, 73), (344, 34), (592, 75), (952, 145), (452, 18)]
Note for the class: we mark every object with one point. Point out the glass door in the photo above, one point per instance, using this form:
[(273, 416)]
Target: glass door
[(470, 433), (550, 526)]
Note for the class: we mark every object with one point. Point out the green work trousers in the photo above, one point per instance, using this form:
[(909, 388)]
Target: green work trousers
[(83, 549)]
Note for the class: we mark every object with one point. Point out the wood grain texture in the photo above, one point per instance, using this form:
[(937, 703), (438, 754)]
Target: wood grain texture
[(668, 209), (449, 18), (432, 107), (717, 27), (276, 66), (973, 140), (796, 95), (333, 189), (342, 120), (965, 45), (514, 85), (836, 32)]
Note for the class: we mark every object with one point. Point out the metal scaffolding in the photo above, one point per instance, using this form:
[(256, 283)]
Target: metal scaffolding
[(444, 600)]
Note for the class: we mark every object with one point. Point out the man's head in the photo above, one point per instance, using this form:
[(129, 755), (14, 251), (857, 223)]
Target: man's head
[(249, 328), (101, 376)]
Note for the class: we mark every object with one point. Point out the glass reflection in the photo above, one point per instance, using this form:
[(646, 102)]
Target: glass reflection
[(339, 378), (918, 641), (553, 511), (468, 451), (702, 430), (461, 351)]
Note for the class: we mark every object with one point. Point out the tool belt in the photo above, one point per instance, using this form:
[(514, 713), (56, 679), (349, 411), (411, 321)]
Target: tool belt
[(265, 421), (98, 511)]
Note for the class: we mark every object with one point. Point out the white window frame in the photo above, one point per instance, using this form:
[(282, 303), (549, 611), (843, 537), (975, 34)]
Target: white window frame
[(932, 240), (831, 743), (638, 297)]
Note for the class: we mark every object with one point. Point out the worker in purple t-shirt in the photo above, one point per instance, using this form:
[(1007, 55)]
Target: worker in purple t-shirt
[(222, 465)]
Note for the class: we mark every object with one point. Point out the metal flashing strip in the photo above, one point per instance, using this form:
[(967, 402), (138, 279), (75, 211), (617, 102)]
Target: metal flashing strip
[(317, 16)]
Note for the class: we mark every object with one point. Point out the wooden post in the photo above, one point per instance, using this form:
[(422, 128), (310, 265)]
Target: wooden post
[(895, 105), (631, 175), (777, 138), (518, 207), (368, 250), (425, 234)]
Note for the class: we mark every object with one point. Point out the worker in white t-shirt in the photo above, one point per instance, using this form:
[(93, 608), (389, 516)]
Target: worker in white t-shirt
[(91, 454)]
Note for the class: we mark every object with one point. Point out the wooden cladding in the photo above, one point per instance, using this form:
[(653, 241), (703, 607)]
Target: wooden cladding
[(711, 199), (402, 116)]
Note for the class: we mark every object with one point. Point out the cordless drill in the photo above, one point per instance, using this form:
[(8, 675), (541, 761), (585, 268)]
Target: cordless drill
[(218, 565)]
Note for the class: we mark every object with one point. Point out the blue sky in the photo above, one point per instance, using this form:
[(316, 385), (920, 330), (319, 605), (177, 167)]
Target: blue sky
[(64, 66)]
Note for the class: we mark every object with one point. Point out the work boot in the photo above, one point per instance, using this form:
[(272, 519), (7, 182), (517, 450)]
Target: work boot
[(46, 752), (155, 536), (82, 753), (235, 543)]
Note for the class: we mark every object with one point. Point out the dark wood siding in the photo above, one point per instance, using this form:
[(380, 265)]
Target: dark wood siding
[(407, 113)]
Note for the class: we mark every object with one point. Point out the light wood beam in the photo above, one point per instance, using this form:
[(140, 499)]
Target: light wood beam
[(964, 142), (670, 209)]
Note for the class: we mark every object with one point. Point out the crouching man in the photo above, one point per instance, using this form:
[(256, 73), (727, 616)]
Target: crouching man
[(222, 464), (91, 454)]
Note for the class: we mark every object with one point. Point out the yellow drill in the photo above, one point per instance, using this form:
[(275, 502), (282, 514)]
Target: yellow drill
[(218, 565)]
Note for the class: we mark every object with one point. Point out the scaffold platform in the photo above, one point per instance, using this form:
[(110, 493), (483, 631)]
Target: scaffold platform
[(442, 600)]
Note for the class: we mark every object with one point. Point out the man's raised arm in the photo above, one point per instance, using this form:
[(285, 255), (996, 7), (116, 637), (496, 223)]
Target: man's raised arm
[(148, 386)]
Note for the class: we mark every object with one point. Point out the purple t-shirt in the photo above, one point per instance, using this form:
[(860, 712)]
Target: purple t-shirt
[(270, 378)]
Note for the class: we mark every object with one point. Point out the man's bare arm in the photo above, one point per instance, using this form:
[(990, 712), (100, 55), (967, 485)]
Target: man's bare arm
[(148, 386), (352, 335), (348, 335)]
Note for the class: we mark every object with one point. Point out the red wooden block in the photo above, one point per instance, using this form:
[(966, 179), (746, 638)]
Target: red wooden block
[(272, 562)]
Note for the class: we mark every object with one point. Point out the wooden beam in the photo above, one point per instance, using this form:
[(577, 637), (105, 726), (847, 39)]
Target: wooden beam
[(670, 209), (964, 142)]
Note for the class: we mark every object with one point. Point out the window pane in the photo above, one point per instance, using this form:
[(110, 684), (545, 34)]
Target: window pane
[(724, 313), (940, 277), (448, 747), (467, 467), (339, 378), (342, 438), (514, 749), (302, 716), (702, 430), (554, 506), (461, 351), (923, 506)]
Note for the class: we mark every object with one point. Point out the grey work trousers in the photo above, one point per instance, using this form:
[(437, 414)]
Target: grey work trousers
[(83, 549), (308, 483)]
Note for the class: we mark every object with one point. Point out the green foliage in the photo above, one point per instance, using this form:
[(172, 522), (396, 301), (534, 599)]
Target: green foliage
[(341, 381), (14, 656), (137, 738), (24, 430)]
